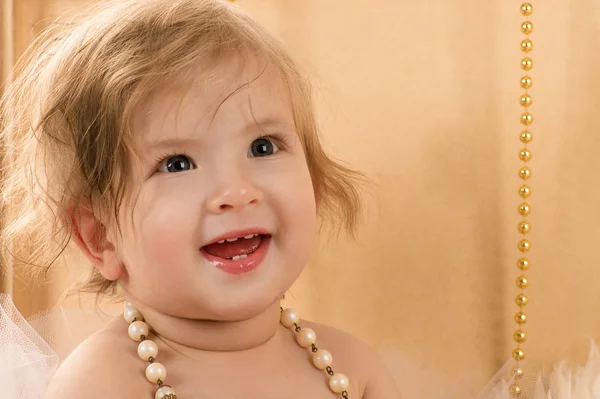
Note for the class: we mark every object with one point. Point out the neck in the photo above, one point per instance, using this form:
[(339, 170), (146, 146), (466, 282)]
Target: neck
[(215, 336)]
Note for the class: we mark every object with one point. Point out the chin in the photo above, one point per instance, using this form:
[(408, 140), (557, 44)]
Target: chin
[(235, 298), (238, 310)]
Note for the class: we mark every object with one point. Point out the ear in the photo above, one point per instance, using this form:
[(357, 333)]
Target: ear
[(90, 235)]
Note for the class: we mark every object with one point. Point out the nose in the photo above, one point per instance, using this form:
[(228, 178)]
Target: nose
[(234, 195)]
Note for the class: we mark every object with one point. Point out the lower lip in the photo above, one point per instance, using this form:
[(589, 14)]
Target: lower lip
[(240, 266)]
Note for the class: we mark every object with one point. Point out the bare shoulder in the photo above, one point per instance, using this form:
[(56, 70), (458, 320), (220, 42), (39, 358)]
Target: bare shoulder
[(356, 358), (99, 367)]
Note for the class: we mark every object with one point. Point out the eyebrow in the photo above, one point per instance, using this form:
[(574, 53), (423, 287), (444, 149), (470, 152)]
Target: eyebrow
[(170, 142), (267, 122)]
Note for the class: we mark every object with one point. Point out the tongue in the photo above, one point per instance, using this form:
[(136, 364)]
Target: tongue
[(230, 249)]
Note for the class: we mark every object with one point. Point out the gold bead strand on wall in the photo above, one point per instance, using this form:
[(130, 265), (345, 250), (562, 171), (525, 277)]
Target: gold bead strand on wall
[(524, 208)]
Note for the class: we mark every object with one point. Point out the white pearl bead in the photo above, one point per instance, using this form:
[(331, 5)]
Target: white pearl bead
[(155, 372), (339, 383), (289, 317), (306, 337), (147, 349), (164, 391), (128, 304), (322, 359), (132, 313), (137, 329)]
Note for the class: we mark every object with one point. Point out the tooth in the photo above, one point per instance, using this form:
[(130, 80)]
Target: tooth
[(231, 239), (221, 242), (249, 236), (243, 256)]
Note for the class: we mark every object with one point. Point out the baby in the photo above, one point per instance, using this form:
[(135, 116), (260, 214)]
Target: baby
[(175, 143)]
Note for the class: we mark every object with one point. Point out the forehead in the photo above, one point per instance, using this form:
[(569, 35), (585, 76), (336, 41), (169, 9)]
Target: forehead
[(208, 94)]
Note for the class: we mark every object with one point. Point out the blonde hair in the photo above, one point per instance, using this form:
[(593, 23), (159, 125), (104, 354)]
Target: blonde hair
[(65, 116)]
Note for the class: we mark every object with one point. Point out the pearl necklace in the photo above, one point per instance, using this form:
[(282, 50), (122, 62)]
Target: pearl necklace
[(156, 373)]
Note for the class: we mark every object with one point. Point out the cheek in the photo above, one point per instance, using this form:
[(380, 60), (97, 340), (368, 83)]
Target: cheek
[(298, 206), (164, 226), (305, 207)]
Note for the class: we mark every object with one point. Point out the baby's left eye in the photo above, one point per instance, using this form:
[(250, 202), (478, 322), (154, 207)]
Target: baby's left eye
[(262, 147)]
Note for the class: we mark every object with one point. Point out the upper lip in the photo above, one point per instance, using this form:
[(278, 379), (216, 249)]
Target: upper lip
[(238, 234)]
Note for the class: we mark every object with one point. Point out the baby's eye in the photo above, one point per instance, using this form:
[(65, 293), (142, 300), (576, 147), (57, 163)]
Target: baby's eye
[(175, 163), (262, 147)]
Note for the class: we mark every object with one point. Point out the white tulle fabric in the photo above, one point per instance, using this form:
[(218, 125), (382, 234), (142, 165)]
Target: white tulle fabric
[(27, 362), (30, 351)]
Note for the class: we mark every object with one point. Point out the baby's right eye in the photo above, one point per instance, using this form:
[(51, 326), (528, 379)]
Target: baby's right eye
[(175, 163)]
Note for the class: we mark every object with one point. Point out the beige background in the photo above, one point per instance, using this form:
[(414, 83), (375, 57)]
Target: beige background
[(423, 97)]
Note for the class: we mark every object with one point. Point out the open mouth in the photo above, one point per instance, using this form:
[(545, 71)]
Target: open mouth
[(236, 248)]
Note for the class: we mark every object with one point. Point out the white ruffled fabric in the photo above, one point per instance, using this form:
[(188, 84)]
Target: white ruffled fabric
[(30, 352), (564, 381)]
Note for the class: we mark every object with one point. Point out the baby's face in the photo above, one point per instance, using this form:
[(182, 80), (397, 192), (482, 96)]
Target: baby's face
[(226, 215)]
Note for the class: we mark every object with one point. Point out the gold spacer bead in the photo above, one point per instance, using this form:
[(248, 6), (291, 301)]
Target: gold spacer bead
[(526, 64), (521, 300), (515, 391), (524, 191), (524, 227), (526, 82), (520, 318), (524, 246), (526, 119), (520, 336), (526, 137), (524, 209), (527, 27), (518, 373), (524, 155), (526, 100), (518, 354), (523, 264), (526, 45), (525, 173), (526, 9), (522, 282)]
